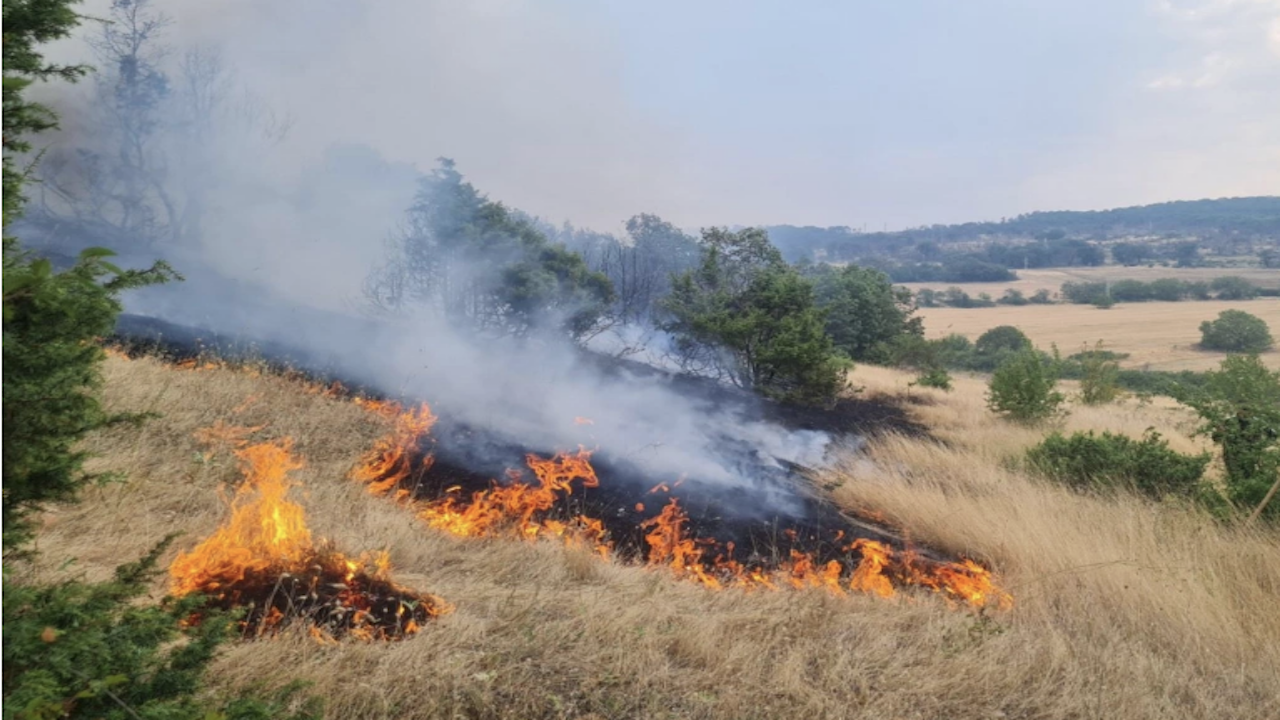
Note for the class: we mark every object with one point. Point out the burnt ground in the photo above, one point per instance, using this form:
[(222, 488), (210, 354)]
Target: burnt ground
[(141, 334), (758, 521)]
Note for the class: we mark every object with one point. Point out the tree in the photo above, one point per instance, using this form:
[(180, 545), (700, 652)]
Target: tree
[(1186, 253), (71, 649), (864, 310), (641, 269), (1232, 287), (1235, 331), (1131, 253), (27, 25), (484, 268), (746, 317), (1013, 297), (1239, 406), (1022, 388), (1269, 257), (999, 342)]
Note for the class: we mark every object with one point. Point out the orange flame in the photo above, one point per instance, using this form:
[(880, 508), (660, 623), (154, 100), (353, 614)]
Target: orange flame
[(390, 461), (266, 541), (519, 508)]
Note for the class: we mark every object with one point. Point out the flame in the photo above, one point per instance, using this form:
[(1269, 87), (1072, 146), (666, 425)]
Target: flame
[(672, 546), (520, 508), (264, 557), (583, 421), (390, 461)]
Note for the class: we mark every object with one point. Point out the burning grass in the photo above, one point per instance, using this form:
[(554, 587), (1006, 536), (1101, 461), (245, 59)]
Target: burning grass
[(263, 561), (832, 558), (1124, 609)]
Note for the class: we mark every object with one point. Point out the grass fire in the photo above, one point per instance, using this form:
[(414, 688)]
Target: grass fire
[(650, 526), (264, 562)]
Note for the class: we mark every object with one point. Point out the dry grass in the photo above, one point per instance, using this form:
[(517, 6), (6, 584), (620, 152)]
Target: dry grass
[(1124, 609), (1160, 336), (1051, 279)]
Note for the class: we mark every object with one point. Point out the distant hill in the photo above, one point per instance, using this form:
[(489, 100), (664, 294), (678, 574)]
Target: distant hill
[(1211, 221)]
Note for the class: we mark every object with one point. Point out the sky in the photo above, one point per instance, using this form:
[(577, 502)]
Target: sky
[(873, 114)]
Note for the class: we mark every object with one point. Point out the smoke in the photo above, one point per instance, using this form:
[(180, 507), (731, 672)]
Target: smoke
[(298, 157)]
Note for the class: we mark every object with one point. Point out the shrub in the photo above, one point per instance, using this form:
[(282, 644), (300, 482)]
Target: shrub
[(79, 650), (996, 345), (1013, 297), (1235, 331), (50, 370), (1239, 405), (1022, 388), (1107, 461), (935, 378), (1041, 297), (1100, 378), (1001, 338)]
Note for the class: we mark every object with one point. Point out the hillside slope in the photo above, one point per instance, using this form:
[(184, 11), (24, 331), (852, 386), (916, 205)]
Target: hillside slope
[(1122, 608)]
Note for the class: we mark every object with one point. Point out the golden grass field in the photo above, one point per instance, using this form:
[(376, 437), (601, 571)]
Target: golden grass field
[(1157, 335), (1123, 608), (1051, 279)]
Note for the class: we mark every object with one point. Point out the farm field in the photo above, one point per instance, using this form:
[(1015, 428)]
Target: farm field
[(1051, 279), (1157, 335), (1121, 607)]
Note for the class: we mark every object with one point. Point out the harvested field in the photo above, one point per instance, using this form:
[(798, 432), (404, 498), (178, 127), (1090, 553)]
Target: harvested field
[(1051, 279), (1157, 335)]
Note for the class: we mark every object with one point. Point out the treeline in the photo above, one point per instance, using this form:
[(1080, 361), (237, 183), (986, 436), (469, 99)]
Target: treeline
[(1163, 289), (1103, 294), (1228, 224)]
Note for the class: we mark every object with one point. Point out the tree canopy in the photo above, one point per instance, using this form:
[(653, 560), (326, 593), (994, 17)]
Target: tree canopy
[(747, 317)]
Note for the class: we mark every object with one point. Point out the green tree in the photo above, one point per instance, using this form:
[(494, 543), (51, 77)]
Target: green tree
[(1186, 253), (1239, 406), (27, 25), (485, 268), (1013, 297), (1232, 287), (1235, 331), (747, 317), (72, 649), (1129, 253), (1022, 388), (864, 310)]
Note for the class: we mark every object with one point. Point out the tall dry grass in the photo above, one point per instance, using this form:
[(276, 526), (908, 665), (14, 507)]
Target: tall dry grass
[(1124, 609)]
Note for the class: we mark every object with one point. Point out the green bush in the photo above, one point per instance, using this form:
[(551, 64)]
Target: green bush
[(1107, 461), (1239, 405), (1022, 388), (1100, 377), (81, 650), (936, 378), (1235, 331), (1001, 338), (51, 321)]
